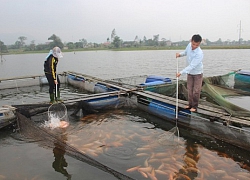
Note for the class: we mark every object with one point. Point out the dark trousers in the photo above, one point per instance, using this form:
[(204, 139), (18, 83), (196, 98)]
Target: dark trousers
[(52, 85), (194, 84)]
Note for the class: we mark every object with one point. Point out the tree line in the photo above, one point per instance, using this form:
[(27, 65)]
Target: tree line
[(114, 42)]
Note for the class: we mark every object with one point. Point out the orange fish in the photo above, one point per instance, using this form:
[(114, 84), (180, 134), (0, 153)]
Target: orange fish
[(64, 124), (133, 169)]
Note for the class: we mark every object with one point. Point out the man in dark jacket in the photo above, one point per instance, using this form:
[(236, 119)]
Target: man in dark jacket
[(50, 65)]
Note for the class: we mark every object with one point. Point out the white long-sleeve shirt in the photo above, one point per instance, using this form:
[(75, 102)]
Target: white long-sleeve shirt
[(194, 60)]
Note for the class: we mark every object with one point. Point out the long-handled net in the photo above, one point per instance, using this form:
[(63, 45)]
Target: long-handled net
[(57, 116), (169, 137), (57, 113)]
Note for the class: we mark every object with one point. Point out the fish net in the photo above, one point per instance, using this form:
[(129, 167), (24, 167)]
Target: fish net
[(217, 88), (164, 88), (47, 138), (57, 116), (170, 137)]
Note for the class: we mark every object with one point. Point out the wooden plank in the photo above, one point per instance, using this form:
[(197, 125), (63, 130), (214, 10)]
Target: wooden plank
[(94, 96), (108, 84), (236, 120), (216, 112), (25, 77), (208, 108), (205, 110)]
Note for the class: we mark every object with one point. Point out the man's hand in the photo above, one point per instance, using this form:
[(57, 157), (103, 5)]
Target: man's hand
[(178, 55), (178, 74), (55, 81)]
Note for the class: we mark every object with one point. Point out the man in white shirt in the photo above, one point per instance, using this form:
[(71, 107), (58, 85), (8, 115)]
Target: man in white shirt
[(194, 71)]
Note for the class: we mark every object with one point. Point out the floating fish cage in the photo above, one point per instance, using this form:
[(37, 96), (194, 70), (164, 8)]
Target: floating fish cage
[(7, 115), (26, 81)]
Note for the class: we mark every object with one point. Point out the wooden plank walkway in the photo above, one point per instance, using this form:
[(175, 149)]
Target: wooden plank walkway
[(101, 81), (25, 77), (202, 110), (138, 91), (94, 96)]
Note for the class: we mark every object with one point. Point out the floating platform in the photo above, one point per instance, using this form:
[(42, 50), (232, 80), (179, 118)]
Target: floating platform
[(214, 121)]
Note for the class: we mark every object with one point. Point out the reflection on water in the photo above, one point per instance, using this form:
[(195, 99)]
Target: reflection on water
[(126, 140), (60, 163)]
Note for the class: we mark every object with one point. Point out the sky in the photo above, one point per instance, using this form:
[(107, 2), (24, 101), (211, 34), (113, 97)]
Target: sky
[(94, 20)]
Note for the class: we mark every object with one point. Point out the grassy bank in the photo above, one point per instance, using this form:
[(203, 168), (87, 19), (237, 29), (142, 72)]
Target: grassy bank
[(141, 48), (176, 48)]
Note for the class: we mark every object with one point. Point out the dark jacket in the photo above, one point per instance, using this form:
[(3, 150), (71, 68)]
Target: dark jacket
[(50, 66)]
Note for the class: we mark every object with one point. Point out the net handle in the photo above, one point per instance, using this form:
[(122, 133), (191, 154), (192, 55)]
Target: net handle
[(177, 92), (56, 86), (177, 98)]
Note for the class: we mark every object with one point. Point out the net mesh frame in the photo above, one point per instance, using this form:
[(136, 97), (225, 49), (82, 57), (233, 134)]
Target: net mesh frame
[(58, 110), (45, 138)]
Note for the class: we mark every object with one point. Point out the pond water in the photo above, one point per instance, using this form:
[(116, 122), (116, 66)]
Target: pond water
[(241, 101), (126, 140), (116, 64)]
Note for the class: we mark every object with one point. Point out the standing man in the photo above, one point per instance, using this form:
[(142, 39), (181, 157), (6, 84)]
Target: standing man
[(194, 71), (50, 65)]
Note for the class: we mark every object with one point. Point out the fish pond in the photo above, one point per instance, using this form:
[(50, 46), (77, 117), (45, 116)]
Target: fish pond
[(123, 143), (120, 143)]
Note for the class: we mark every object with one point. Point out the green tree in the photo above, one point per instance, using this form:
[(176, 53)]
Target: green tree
[(136, 41), (56, 42), (150, 42), (163, 42), (83, 42), (22, 39), (3, 48), (41, 47), (17, 45), (117, 42), (144, 40), (78, 44), (208, 42), (156, 40), (71, 45), (219, 41), (32, 45), (113, 35)]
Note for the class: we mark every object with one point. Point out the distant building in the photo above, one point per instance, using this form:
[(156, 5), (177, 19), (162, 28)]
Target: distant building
[(106, 44), (169, 43)]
